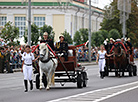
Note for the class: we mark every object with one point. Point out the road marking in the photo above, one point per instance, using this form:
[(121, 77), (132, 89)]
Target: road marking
[(104, 89), (115, 94)]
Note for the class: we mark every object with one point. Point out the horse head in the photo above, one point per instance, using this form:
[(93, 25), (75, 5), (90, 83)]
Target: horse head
[(117, 50), (43, 50)]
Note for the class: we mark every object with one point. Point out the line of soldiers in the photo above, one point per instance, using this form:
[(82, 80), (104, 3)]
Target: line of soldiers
[(5, 60), (60, 47)]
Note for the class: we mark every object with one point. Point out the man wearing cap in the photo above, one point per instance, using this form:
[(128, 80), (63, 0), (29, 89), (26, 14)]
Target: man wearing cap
[(107, 45), (7, 59), (46, 40), (111, 42), (1, 60), (129, 45), (62, 47)]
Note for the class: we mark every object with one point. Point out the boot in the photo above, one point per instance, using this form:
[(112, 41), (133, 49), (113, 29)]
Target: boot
[(101, 74), (26, 85), (31, 85)]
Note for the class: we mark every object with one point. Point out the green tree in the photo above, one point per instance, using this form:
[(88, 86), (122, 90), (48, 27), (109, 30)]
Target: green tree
[(131, 24), (104, 33), (81, 36), (97, 38), (34, 35), (9, 32), (114, 34), (49, 30), (67, 37)]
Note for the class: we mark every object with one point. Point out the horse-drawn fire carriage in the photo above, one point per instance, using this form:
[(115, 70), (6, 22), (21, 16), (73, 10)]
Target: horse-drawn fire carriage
[(121, 61), (66, 71)]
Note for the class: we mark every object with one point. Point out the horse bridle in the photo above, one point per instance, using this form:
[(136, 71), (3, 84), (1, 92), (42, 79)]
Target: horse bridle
[(119, 54), (46, 60)]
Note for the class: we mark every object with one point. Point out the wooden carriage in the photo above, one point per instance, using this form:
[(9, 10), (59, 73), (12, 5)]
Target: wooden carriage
[(68, 71)]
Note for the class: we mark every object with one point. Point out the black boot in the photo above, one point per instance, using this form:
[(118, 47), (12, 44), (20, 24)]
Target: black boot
[(101, 75), (26, 85), (31, 85)]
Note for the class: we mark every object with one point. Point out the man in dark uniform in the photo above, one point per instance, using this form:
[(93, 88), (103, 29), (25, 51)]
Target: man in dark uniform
[(111, 43), (46, 40), (129, 45), (7, 60), (107, 45), (62, 47), (1, 60)]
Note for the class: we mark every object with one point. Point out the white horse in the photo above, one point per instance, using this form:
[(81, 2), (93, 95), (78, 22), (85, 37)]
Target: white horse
[(47, 64)]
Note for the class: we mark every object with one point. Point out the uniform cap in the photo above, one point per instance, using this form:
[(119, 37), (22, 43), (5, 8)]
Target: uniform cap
[(107, 39), (128, 39), (111, 39), (61, 36), (45, 33)]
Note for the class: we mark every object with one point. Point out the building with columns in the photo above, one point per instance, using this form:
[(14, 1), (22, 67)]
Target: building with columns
[(69, 15)]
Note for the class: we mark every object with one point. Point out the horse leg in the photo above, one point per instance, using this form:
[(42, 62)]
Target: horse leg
[(48, 77), (41, 74)]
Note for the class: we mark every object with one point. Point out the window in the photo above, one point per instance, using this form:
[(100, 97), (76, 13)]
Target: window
[(20, 22), (3, 21), (39, 21)]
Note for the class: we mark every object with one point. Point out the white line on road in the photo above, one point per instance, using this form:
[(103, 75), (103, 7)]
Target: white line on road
[(103, 98)]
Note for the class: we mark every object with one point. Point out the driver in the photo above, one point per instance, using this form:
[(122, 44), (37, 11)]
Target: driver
[(62, 47), (46, 40)]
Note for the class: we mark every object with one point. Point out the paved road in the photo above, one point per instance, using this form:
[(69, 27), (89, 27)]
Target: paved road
[(12, 89)]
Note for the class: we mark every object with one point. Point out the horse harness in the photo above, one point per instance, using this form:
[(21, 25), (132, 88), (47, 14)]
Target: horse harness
[(48, 59)]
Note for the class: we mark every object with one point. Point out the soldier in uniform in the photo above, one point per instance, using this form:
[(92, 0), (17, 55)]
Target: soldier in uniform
[(7, 59), (46, 40), (62, 47), (111, 42), (129, 45), (1, 60)]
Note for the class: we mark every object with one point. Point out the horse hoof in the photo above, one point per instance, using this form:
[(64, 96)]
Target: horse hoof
[(47, 88)]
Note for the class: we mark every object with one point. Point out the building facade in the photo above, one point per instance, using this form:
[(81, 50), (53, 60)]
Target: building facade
[(69, 15)]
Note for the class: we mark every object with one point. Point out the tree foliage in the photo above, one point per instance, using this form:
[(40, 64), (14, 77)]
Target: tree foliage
[(34, 35), (131, 24), (49, 30), (67, 37), (9, 32), (114, 34), (97, 38), (81, 36)]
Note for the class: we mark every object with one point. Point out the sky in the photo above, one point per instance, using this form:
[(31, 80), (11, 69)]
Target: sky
[(101, 3)]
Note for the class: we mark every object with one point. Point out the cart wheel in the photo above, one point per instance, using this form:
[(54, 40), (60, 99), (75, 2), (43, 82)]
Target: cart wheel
[(135, 70), (130, 70), (44, 80), (116, 73), (106, 71), (80, 81), (85, 79), (37, 81)]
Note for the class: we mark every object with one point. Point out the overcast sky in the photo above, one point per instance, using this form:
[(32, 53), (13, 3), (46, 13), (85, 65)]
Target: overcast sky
[(101, 3)]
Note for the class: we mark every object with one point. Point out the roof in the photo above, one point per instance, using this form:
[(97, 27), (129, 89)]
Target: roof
[(74, 3)]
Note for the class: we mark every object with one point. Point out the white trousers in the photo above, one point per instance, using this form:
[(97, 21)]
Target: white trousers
[(101, 64), (27, 71)]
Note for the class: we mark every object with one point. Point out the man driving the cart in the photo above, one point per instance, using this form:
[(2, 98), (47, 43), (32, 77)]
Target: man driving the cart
[(46, 40), (62, 47)]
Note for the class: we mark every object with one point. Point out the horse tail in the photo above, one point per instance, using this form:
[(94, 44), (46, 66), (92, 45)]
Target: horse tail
[(53, 79)]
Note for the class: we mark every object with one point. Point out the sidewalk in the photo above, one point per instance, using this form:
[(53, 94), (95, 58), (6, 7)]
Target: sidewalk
[(88, 63)]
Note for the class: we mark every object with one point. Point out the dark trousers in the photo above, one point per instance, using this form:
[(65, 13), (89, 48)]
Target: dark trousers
[(8, 69)]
